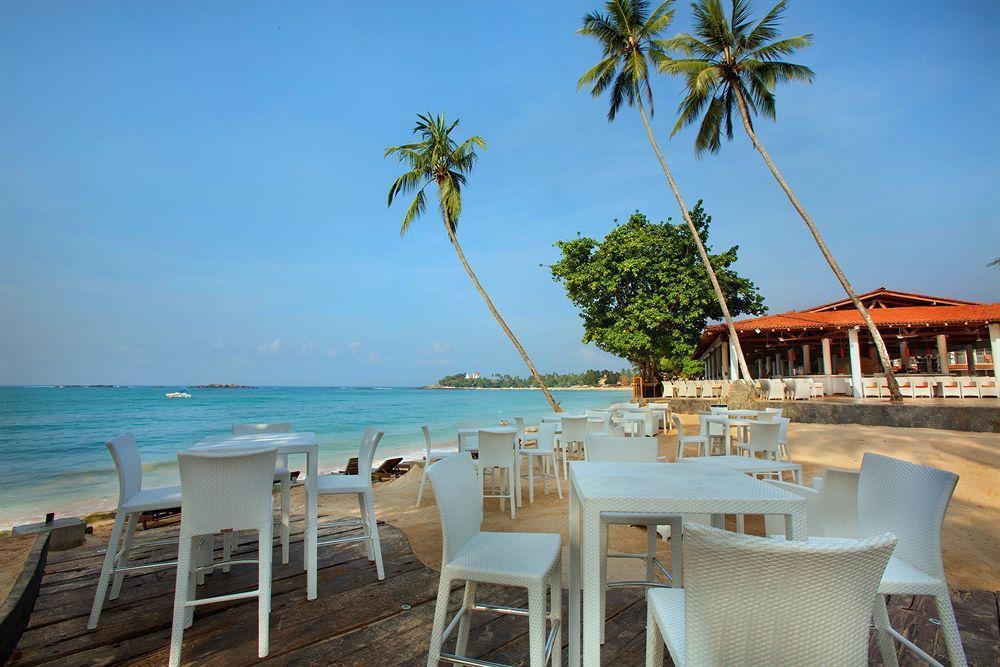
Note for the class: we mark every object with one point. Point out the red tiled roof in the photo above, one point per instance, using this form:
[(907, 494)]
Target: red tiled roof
[(883, 317), (917, 299)]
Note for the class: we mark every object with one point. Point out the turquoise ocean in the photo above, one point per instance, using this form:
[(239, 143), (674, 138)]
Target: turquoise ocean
[(52, 438)]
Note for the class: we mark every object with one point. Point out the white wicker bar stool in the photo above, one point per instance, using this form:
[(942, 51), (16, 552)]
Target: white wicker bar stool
[(497, 455), (225, 490), (282, 477), (430, 456), (544, 451), (524, 560), (778, 603), (572, 439), (701, 440), (133, 501), (361, 486), (635, 450)]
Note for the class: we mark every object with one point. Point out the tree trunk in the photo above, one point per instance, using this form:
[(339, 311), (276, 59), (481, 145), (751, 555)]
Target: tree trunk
[(496, 314), (701, 247), (872, 329)]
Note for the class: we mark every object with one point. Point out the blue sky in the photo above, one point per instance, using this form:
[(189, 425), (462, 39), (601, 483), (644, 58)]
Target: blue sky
[(196, 192)]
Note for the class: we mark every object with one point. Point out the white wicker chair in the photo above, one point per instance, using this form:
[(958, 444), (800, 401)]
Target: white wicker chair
[(226, 490), (683, 440), (910, 500), (668, 389), (775, 390), (949, 387), (573, 437), (545, 452), (470, 442), (359, 485), (497, 452), (764, 439), (987, 387), (634, 450), (831, 506), (282, 477), (430, 456), (525, 560), (797, 603), (801, 389), (133, 500), (968, 387)]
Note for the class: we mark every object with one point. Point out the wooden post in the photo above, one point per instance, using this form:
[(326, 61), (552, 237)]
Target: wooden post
[(942, 350), (855, 349)]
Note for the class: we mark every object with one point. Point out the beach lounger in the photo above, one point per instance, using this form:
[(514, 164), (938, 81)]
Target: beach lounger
[(388, 470)]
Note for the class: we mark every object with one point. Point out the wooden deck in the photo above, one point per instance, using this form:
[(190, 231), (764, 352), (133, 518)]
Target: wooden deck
[(356, 620)]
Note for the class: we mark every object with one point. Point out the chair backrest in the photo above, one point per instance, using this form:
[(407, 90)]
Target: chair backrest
[(128, 463), (574, 429), (803, 388), (773, 411), (251, 429), (815, 515), (668, 389), (496, 449), (601, 447), (630, 404), (797, 603), (546, 437), (840, 502), (909, 500), (225, 489), (472, 423), (366, 453), (595, 414), (459, 495), (677, 425), (764, 436), (427, 439), (519, 423)]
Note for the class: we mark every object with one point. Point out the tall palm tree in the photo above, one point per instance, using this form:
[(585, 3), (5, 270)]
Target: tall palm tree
[(737, 63), (437, 159), (629, 34)]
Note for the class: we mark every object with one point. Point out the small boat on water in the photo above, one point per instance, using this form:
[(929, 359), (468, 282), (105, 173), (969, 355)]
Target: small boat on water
[(178, 394)]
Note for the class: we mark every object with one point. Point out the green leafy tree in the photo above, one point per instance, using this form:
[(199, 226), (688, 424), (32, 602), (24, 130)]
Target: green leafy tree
[(642, 291), (737, 63), (629, 36), (437, 159)]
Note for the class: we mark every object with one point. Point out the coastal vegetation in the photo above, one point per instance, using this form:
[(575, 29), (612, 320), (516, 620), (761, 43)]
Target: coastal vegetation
[(588, 378), (642, 291), (438, 159), (629, 35), (737, 62)]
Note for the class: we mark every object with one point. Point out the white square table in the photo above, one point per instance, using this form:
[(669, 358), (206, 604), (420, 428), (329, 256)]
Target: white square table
[(286, 443), (749, 465), (660, 488)]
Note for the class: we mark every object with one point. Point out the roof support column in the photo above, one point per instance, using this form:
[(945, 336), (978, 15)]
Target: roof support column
[(760, 367), (904, 356), (970, 359), (827, 361), (734, 366), (777, 364), (790, 356), (942, 350), (855, 349), (806, 361), (725, 362), (994, 330)]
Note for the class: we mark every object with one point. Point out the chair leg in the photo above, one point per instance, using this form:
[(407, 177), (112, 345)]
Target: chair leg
[(531, 479), (182, 582), (440, 616), (880, 616), (654, 640), (536, 624), (376, 544), (555, 473), (204, 555), (468, 601), (286, 511), (264, 550), (423, 480), (364, 519), (676, 553), (949, 628), (130, 526), (106, 570), (604, 574), (650, 552), (510, 491), (565, 462), (228, 538), (555, 596), (194, 560)]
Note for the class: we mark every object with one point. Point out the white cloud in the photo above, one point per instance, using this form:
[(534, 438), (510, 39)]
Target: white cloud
[(331, 351), (438, 348), (270, 348)]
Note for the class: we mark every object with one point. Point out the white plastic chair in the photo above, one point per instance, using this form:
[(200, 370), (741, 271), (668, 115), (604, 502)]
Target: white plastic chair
[(949, 387), (968, 387), (987, 387), (801, 389), (668, 389), (775, 390), (922, 388), (545, 452), (831, 506), (910, 501), (683, 440), (361, 486), (282, 477), (133, 501), (430, 456), (764, 439), (754, 601), (637, 423), (573, 437), (524, 560), (226, 490), (497, 452), (602, 448)]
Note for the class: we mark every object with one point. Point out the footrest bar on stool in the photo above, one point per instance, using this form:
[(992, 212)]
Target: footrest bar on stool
[(459, 660), (500, 609)]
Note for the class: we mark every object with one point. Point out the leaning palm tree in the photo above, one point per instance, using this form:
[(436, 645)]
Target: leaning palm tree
[(437, 159), (628, 34), (737, 63)]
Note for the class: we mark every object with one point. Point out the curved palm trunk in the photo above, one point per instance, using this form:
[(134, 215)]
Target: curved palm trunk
[(500, 320), (701, 247), (883, 355)]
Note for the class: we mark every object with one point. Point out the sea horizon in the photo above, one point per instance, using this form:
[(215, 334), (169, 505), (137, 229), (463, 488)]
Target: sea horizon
[(52, 436)]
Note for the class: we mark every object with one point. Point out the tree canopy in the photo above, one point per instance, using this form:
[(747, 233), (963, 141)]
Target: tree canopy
[(588, 378), (643, 292)]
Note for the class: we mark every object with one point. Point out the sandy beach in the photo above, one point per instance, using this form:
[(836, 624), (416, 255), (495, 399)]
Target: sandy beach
[(971, 531)]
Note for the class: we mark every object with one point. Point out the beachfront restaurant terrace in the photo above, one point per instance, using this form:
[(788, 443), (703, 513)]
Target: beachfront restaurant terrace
[(939, 346)]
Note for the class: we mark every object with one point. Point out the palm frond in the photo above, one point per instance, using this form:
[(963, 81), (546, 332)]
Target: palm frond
[(711, 126), (766, 29), (783, 47), (416, 208)]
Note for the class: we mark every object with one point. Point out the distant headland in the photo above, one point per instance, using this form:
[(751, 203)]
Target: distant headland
[(591, 379)]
